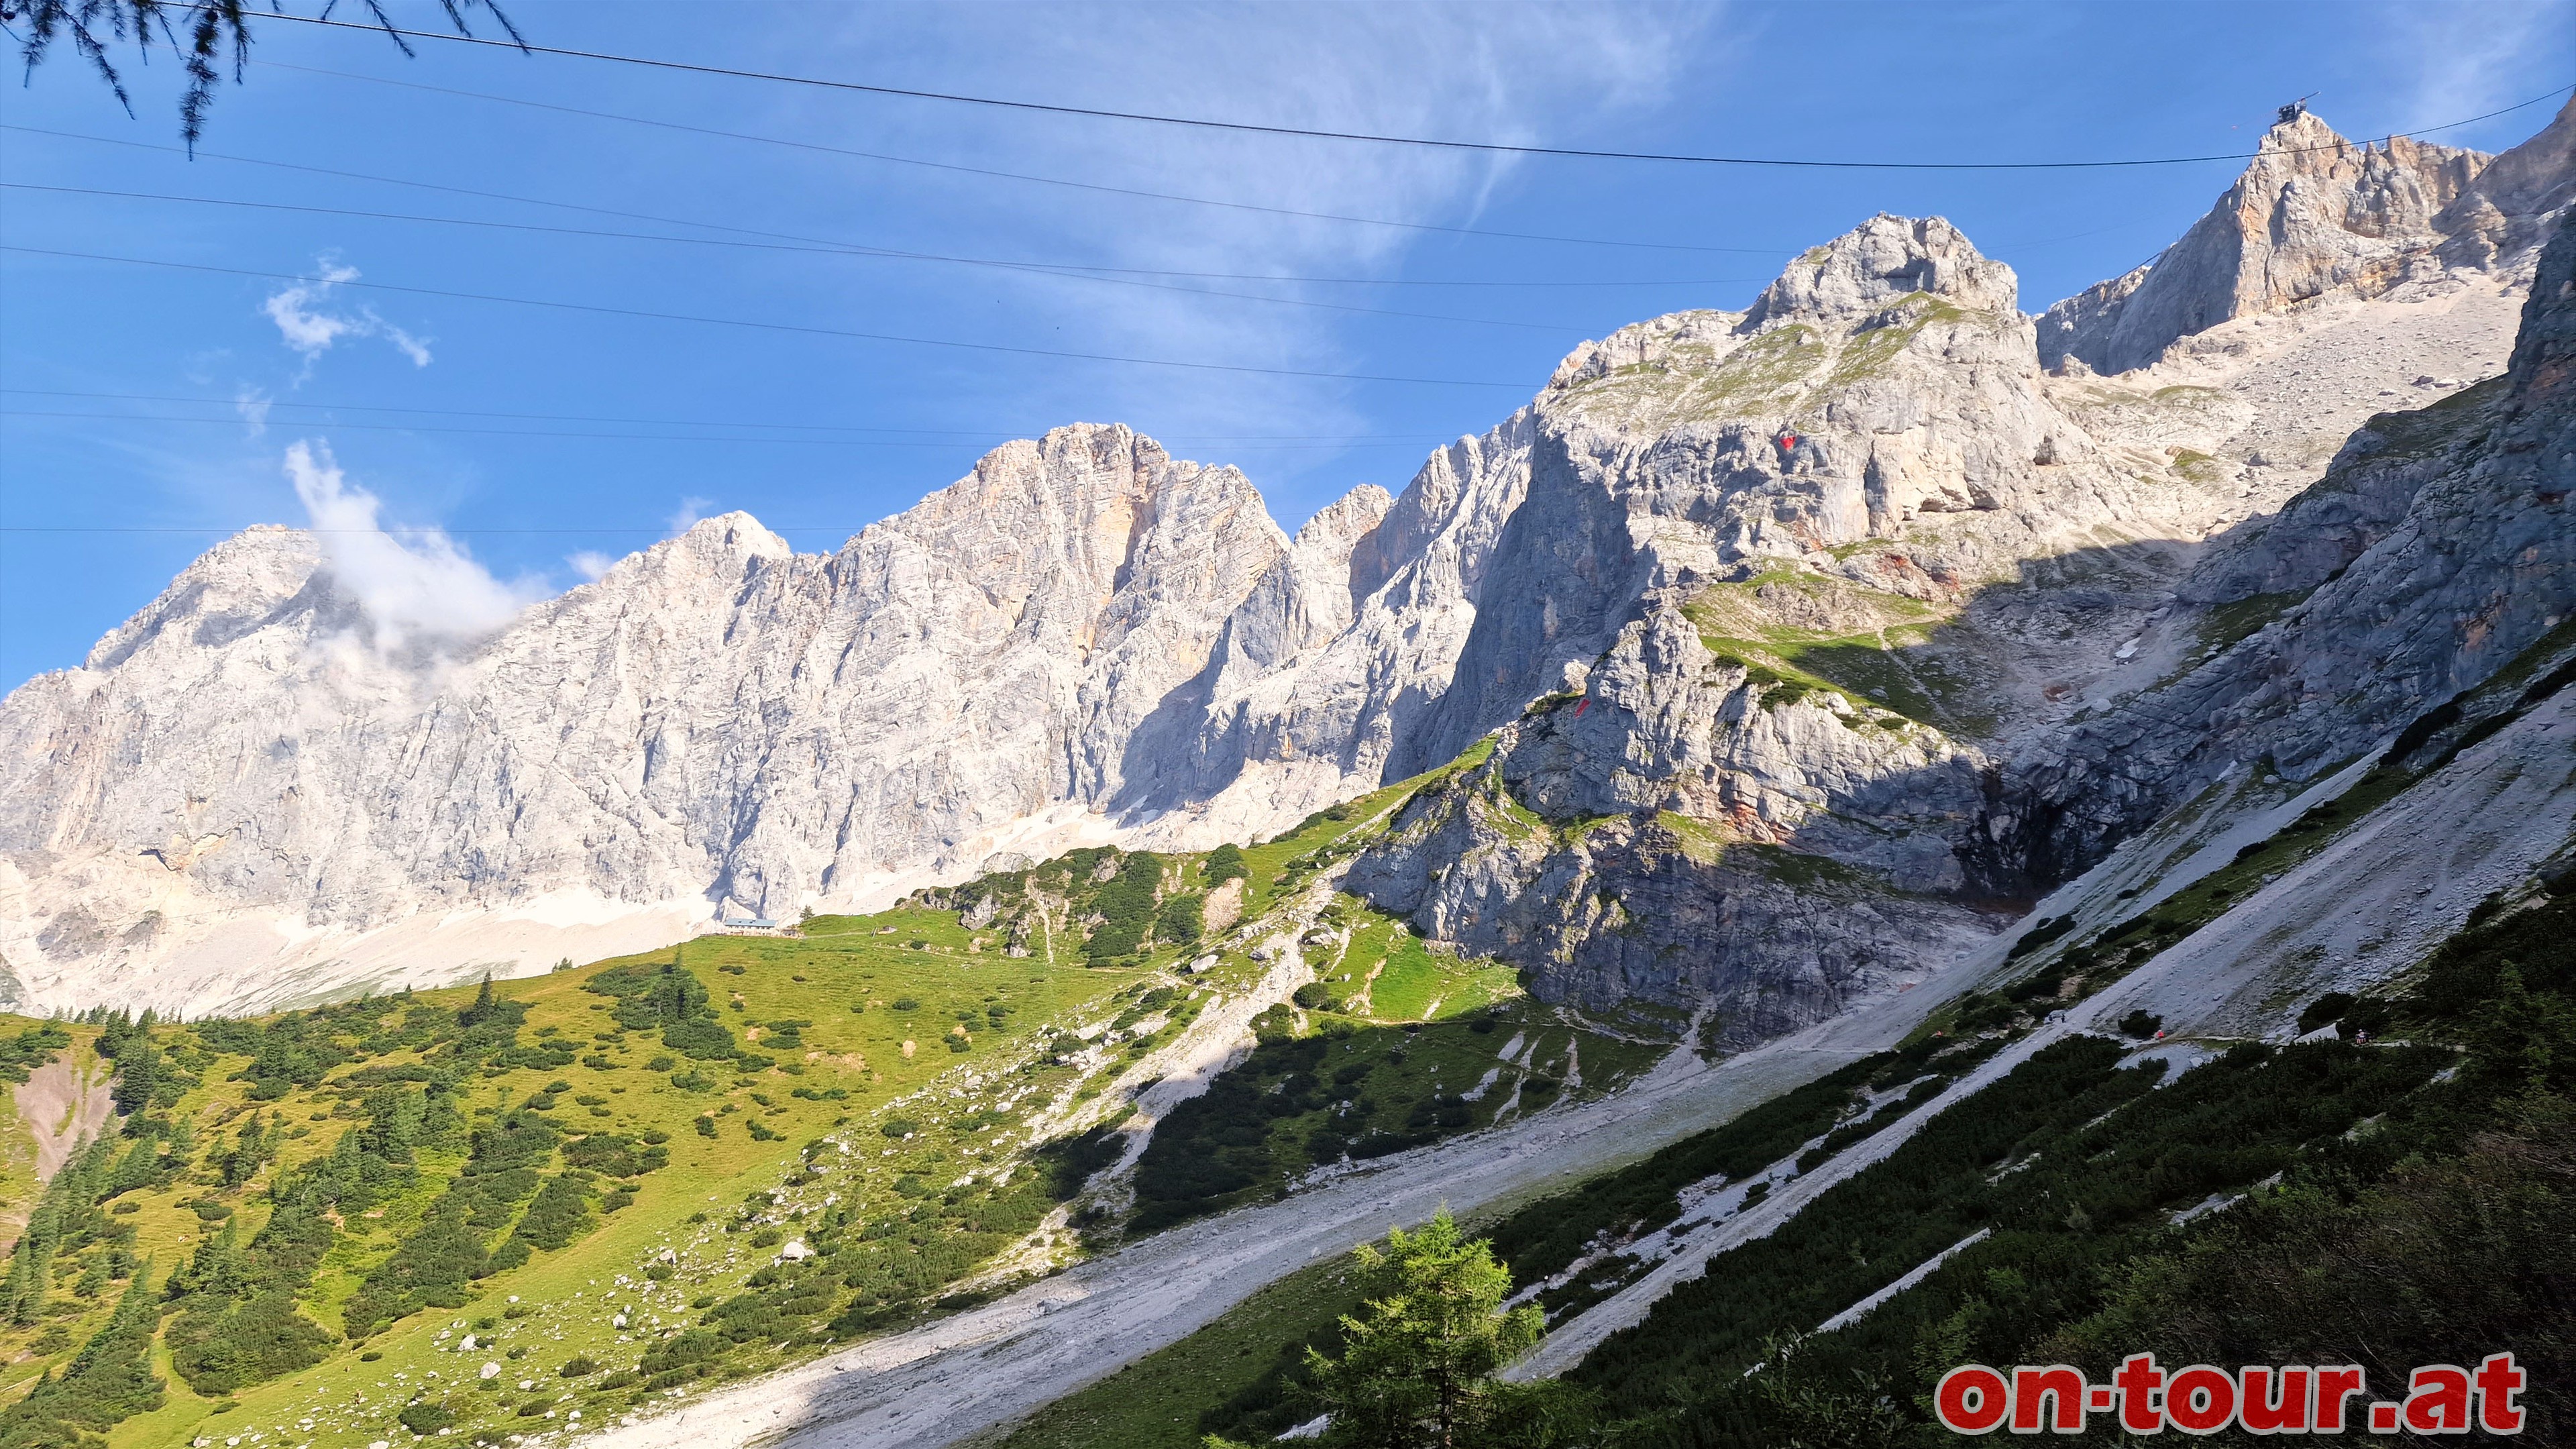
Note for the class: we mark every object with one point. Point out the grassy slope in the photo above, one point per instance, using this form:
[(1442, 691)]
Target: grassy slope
[(723, 1202), (858, 1054)]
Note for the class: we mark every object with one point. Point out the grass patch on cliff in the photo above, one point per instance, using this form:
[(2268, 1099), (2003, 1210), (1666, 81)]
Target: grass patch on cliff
[(2423, 432), (1877, 651), (1869, 353), (1386, 973), (1692, 381), (2195, 467), (1347, 1089), (2222, 627)]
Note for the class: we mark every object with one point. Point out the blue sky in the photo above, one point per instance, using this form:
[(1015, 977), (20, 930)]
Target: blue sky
[(300, 384)]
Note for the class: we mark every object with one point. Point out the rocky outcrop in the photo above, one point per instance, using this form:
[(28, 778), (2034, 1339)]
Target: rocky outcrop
[(1740, 535), (1835, 612), (2314, 215), (2435, 551), (1688, 830), (717, 722), (2506, 212)]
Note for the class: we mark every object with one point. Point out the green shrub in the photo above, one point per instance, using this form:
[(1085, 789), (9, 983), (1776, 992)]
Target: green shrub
[(1126, 907), (426, 1416), (218, 1349), (1225, 863), (1183, 920), (2323, 1011), (560, 1214), (613, 1155)]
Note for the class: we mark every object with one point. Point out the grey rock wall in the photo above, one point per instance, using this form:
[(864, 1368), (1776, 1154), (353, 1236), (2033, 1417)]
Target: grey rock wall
[(2317, 215), (1834, 609)]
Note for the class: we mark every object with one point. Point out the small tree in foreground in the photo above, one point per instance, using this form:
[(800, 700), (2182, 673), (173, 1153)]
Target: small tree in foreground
[(1418, 1363)]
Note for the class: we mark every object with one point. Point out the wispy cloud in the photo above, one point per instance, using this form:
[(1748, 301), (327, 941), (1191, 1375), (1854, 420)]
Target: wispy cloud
[(251, 404), (2458, 61), (416, 585), (309, 327), (1518, 73), (686, 516), (590, 563)]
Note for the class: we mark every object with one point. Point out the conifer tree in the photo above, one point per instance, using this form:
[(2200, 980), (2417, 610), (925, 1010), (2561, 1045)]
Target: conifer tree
[(109, 1380), (201, 32), (1418, 1364)]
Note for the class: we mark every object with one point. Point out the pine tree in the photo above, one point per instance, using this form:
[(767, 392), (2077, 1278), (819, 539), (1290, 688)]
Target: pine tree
[(1418, 1366), (199, 32), (109, 1380), (481, 1010)]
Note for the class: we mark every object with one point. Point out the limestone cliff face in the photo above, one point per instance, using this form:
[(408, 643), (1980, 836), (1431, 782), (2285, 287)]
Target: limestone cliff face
[(1284, 720), (2433, 552), (1748, 792), (716, 721), (1801, 644), (2506, 212), (2314, 215)]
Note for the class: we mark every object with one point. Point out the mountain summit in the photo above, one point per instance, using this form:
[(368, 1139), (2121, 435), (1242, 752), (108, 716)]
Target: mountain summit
[(1814, 625), (2317, 214)]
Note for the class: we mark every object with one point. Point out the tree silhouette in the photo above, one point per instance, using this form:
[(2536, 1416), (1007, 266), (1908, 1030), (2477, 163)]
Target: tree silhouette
[(198, 31)]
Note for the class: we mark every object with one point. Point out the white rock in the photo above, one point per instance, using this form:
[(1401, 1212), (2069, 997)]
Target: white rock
[(253, 787)]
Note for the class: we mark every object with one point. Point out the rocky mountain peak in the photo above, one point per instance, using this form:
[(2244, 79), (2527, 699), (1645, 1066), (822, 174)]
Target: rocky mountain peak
[(247, 576), (2504, 212), (1882, 260), (2313, 214), (736, 532), (1346, 520)]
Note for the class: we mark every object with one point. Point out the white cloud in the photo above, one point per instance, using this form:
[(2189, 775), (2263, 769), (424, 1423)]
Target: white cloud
[(590, 564), (417, 585), (309, 329), (252, 405), (686, 516)]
